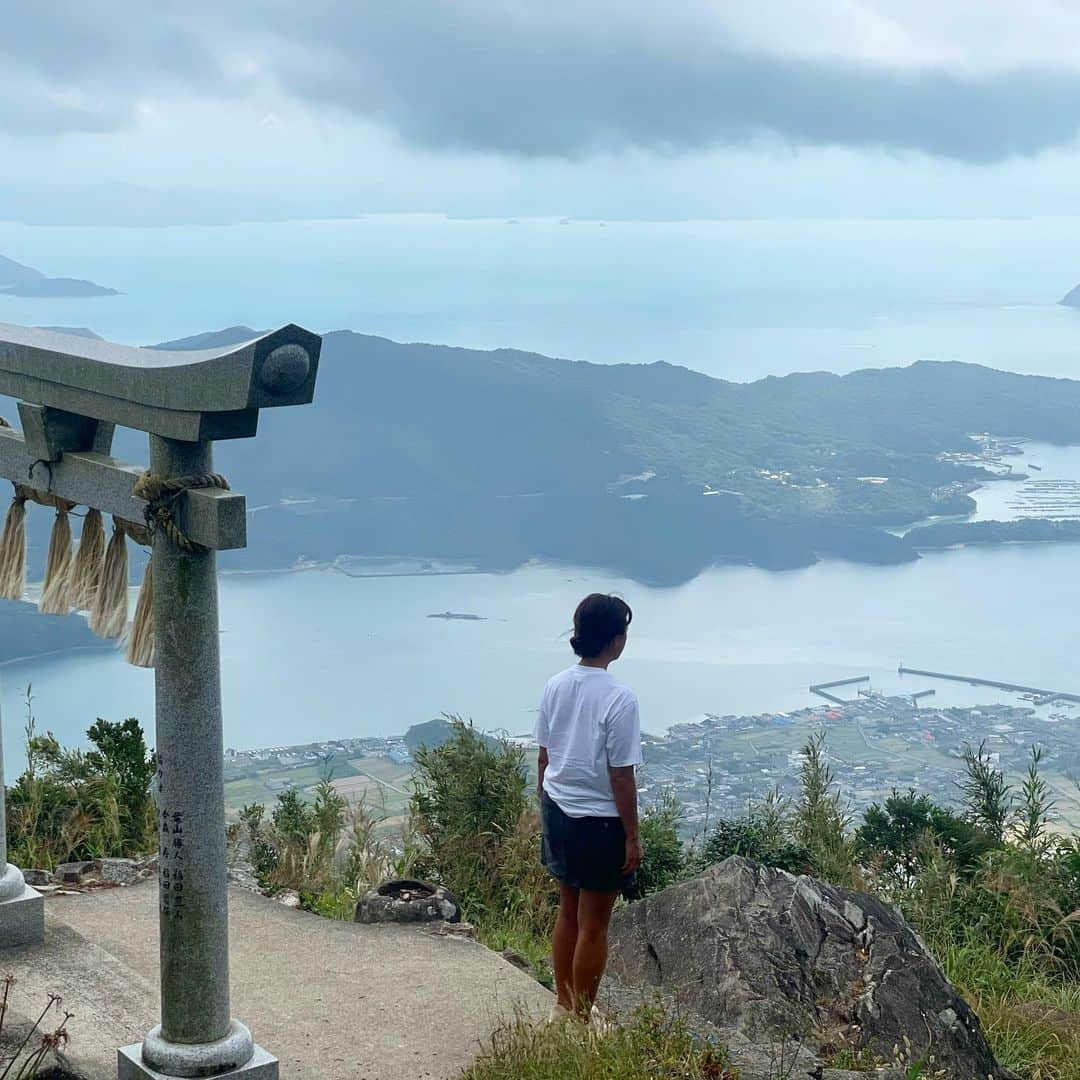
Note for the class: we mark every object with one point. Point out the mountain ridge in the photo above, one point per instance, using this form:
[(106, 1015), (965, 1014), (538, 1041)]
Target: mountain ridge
[(657, 471)]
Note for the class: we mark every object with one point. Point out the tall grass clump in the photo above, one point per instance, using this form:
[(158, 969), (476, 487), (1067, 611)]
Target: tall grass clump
[(651, 1044), (330, 851)]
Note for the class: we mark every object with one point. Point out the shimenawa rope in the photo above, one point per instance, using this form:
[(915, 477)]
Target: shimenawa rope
[(13, 548), (161, 494), (97, 578)]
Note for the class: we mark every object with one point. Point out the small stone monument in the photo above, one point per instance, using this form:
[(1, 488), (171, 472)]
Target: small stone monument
[(72, 392), (22, 909), (407, 901)]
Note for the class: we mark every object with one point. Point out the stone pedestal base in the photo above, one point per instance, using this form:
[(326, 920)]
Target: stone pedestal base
[(130, 1067), (22, 919)]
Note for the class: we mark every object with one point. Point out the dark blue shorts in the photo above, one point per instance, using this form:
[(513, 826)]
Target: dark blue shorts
[(586, 852)]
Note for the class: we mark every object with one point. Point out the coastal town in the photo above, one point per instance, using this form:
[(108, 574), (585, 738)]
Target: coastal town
[(719, 765)]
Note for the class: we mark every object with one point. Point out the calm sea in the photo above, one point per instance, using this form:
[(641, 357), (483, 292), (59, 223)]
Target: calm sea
[(318, 654), (738, 299)]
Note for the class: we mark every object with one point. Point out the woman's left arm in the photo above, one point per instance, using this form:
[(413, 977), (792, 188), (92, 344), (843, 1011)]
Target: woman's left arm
[(541, 767)]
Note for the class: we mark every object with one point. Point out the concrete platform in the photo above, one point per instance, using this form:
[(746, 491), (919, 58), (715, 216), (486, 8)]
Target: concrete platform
[(330, 1000), (22, 918)]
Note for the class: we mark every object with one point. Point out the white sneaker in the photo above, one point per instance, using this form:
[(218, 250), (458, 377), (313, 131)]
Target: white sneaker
[(560, 1014)]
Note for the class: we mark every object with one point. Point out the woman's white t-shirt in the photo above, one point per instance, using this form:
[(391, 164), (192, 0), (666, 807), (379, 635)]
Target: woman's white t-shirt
[(589, 723)]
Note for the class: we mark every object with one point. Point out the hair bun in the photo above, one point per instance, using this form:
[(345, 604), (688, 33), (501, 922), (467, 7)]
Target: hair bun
[(598, 621)]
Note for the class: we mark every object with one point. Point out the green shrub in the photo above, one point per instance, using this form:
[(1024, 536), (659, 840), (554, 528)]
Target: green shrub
[(821, 822), (482, 837), (900, 836), (807, 838), (987, 798), (766, 834), (664, 860), (72, 804), (991, 889)]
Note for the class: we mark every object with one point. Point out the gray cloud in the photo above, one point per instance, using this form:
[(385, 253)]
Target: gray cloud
[(485, 79), (557, 80), (70, 66)]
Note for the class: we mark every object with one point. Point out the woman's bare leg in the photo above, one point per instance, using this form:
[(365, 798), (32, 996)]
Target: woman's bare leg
[(590, 955), (564, 944)]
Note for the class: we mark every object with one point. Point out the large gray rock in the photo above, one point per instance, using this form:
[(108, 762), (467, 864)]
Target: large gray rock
[(766, 956)]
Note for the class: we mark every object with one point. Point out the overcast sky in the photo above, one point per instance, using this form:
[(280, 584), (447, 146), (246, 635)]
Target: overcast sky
[(123, 111)]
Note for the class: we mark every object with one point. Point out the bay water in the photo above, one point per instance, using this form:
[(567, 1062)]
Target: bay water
[(319, 654)]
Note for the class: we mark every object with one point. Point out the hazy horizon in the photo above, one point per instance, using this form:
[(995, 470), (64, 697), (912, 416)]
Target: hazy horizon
[(737, 299)]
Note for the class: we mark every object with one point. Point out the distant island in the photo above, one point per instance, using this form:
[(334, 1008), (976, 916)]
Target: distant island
[(19, 280), (1071, 298)]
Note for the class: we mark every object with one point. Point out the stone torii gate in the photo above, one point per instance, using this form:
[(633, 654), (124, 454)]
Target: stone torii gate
[(72, 392)]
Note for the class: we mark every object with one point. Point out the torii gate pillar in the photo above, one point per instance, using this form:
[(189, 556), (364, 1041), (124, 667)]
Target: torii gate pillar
[(71, 391), (197, 1035)]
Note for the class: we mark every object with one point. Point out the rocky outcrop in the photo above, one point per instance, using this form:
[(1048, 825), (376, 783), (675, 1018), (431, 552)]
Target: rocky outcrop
[(768, 957), (92, 874)]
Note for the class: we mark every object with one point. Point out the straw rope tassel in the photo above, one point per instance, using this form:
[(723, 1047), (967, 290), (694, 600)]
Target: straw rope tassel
[(108, 616), (56, 589), (141, 644), (89, 559), (13, 549)]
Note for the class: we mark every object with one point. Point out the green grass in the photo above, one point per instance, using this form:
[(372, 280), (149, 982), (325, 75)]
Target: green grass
[(651, 1045), (309, 775), (250, 788), (379, 767), (1031, 1021), (241, 792)]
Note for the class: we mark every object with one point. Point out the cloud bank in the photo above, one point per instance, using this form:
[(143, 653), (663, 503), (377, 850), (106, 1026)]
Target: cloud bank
[(522, 80)]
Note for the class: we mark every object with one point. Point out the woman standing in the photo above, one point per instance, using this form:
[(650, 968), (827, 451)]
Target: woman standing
[(589, 734)]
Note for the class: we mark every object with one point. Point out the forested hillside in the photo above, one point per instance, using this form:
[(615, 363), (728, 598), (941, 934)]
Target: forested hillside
[(653, 470)]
